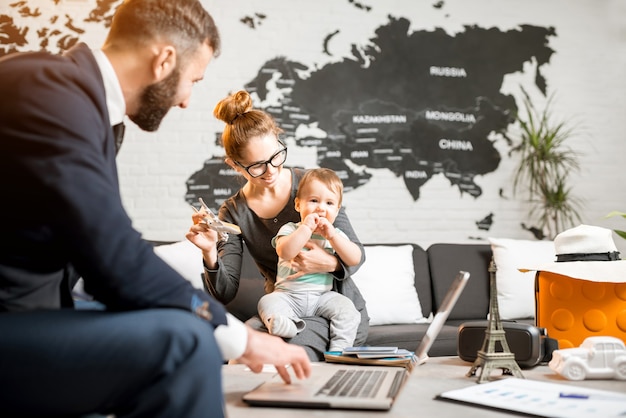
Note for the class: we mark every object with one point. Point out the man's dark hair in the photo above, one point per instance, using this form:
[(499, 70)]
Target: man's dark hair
[(184, 23)]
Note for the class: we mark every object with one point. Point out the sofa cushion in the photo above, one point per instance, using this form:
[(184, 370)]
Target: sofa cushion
[(405, 336), (184, 257), (445, 261), (516, 290), (387, 282), (409, 336), (422, 279)]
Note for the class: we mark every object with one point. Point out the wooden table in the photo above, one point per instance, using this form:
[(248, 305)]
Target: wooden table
[(438, 374)]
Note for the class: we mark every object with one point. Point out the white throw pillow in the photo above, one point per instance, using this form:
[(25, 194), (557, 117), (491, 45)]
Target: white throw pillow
[(516, 290), (387, 282), (185, 258)]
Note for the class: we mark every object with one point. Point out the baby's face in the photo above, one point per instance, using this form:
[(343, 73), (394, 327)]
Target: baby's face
[(317, 198)]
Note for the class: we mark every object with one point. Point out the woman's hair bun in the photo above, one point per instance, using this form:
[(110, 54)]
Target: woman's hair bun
[(233, 106)]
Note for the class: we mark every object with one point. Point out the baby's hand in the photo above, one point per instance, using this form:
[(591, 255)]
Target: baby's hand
[(325, 228), (311, 221)]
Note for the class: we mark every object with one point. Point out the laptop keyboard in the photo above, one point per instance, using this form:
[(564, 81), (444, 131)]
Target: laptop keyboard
[(355, 383)]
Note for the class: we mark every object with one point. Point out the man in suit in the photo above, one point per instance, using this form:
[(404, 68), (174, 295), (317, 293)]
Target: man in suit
[(158, 347)]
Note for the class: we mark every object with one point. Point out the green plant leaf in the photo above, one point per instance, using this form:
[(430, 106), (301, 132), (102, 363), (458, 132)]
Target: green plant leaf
[(545, 165), (616, 213)]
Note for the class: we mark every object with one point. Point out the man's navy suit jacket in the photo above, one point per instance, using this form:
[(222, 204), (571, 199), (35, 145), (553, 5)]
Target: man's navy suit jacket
[(61, 210)]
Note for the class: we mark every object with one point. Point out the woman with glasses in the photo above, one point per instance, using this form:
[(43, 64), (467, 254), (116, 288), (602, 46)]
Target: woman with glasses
[(265, 203)]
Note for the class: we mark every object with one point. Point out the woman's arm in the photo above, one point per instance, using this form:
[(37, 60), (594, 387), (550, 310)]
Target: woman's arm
[(343, 223), (223, 282), (221, 260), (346, 249)]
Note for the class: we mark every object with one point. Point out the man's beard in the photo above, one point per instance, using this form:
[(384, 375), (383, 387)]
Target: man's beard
[(156, 100)]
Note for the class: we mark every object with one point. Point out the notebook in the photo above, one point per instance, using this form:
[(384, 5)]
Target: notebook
[(342, 386)]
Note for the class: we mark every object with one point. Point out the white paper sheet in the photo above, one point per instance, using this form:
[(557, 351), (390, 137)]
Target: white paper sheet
[(542, 399)]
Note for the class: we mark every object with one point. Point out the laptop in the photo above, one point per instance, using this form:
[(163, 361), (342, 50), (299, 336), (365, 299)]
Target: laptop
[(340, 386), (449, 300)]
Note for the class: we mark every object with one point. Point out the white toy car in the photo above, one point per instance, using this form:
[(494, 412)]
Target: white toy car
[(596, 358)]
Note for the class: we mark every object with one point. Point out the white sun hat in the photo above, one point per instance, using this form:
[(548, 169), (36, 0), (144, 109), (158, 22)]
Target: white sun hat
[(588, 253)]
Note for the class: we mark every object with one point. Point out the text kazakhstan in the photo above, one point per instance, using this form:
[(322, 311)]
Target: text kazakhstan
[(369, 119)]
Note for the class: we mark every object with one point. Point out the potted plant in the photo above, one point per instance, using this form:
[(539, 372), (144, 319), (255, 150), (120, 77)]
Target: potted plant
[(544, 168), (623, 215)]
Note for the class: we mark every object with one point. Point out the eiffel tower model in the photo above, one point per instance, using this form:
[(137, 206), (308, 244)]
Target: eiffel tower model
[(487, 357)]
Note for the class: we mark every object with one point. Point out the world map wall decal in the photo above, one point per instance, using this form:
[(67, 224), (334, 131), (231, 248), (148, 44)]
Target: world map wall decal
[(418, 103)]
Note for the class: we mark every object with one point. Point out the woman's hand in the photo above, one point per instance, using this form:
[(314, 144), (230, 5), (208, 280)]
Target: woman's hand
[(315, 260), (204, 238)]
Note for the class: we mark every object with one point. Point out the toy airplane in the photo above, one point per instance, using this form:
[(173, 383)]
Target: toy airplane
[(215, 223)]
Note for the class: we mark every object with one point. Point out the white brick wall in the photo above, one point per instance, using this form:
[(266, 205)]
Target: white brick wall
[(587, 72)]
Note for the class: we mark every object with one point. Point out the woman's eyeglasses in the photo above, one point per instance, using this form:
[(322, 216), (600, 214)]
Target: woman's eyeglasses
[(258, 169)]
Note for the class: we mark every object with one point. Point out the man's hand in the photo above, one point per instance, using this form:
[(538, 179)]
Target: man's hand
[(264, 348)]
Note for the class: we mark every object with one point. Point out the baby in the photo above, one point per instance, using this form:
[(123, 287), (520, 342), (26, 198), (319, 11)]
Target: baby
[(298, 295)]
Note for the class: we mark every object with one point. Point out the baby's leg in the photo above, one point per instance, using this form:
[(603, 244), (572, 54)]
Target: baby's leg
[(343, 316), (277, 312)]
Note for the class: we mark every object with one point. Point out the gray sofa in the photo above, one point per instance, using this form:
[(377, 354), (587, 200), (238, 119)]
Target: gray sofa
[(435, 269)]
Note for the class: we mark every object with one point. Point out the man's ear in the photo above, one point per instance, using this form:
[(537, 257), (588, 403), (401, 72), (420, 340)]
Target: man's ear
[(164, 62)]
